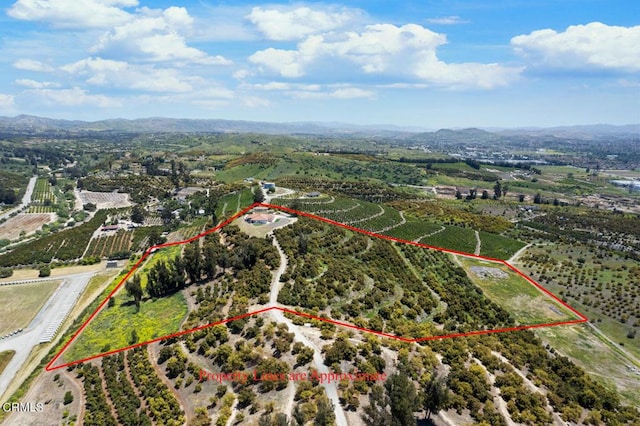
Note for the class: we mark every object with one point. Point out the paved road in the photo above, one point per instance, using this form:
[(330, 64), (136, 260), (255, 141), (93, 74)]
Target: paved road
[(26, 199), (55, 309)]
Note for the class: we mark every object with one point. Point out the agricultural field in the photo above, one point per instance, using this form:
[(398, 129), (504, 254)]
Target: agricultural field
[(498, 246), (105, 200), (453, 238), (414, 230), (140, 240), (23, 225), (65, 245), (46, 198), (21, 303), (602, 284), (109, 245)]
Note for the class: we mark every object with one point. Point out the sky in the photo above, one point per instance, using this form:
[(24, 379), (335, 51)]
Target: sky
[(424, 63)]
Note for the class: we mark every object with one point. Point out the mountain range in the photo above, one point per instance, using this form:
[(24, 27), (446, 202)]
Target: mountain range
[(28, 123)]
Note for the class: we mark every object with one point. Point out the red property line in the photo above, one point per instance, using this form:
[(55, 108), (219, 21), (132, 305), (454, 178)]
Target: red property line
[(150, 250)]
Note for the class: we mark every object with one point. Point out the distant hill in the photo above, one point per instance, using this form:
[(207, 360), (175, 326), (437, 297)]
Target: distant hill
[(28, 123)]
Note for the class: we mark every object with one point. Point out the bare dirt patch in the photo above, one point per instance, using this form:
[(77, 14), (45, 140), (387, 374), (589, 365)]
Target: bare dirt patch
[(485, 272), (50, 393), (24, 222), (105, 200)]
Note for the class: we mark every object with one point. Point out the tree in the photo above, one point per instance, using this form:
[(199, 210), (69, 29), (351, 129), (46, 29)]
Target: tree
[(134, 337), (537, 199), (402, 399), (137, 214), (376, 412), (521, 198), (258, 195), (45, 271), (458, 194), (68, 398), (325, 415), (193, 261), (209, 261), (485, 195), (497, 189), (436, 395), (134, 289), (505, 188)]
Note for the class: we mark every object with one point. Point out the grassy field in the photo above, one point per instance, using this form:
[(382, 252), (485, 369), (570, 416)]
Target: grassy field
[(21, 302), (604, 363), (525, 302), (5, 358), (113, 326)]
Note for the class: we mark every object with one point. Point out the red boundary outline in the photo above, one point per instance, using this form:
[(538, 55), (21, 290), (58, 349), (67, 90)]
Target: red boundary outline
[(150, 250)]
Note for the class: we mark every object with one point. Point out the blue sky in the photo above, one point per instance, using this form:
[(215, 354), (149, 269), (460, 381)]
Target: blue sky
[(432, 64)]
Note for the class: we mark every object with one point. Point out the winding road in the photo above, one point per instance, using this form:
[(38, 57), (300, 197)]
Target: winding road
[(330, 388)]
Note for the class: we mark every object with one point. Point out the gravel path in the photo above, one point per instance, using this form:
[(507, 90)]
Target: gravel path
[(330, 388)]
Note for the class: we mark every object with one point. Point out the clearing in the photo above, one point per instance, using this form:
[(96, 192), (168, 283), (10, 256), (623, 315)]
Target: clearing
[(526, 303)]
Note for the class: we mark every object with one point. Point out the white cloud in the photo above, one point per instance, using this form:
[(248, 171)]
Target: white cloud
[(32, 84), (106, 72), (591, 46), (447, 20), (73, 13), (255, 102), (75, 97), (407, 51), (32, 65), (280, 85), (295, 24), (6, 101), (157, 36), (342, 93), (287, 63), (241, 74)]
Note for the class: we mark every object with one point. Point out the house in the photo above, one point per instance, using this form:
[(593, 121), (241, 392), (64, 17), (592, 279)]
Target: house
[(259, 218), (268, 185), (112, 264), (314, 194), (108, 228)]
